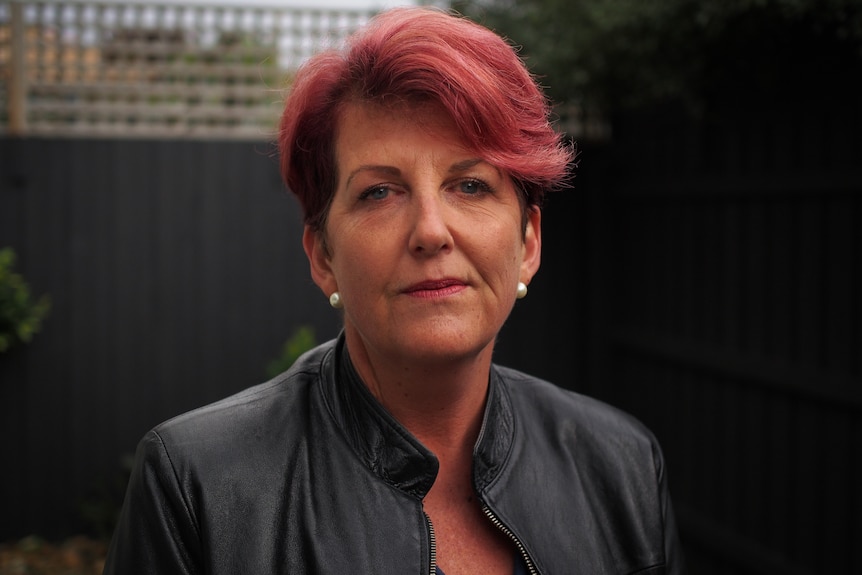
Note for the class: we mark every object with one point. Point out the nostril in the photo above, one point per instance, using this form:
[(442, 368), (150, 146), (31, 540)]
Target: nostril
[(430, 244)]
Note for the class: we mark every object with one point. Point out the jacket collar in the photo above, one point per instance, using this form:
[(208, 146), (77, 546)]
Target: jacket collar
[(388, 449)]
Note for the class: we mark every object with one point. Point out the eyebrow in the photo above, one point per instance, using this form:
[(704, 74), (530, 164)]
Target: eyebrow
[(471, 163), (393, 171), (373, 168), (465, 165)]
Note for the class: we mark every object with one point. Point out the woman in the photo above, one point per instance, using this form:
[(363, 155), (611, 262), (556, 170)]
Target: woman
[(420, 154)]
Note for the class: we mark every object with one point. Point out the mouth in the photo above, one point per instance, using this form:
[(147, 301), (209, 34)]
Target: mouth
[(436, 288)]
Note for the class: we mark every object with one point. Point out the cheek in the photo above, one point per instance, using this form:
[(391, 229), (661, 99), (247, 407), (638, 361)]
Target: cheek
[(500, 255), (359, 253)]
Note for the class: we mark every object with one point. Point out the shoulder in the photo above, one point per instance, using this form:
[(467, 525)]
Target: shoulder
[(543, 398), (591, 470), (256, 411), (578, 424)]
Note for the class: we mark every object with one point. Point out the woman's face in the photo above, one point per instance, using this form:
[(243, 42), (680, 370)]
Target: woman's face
[(423, 239)]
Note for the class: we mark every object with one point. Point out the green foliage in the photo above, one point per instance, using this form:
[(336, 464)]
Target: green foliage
[(302, 340), (617, 54), (20, 316)]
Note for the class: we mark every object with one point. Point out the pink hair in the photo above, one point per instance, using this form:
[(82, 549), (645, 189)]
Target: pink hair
[(414, 55)]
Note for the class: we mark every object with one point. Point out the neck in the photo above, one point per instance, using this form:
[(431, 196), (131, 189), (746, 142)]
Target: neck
[(441, 402)]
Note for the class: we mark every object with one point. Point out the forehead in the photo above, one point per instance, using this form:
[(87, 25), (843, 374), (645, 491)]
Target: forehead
[(373, 124)]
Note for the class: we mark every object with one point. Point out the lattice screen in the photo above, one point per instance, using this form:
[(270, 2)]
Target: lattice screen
[(99, 69)]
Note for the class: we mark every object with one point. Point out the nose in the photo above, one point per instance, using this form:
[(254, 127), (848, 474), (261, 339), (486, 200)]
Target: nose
[(430, 233)]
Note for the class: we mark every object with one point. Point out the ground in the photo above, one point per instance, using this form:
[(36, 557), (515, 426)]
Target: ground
[(33, 556)]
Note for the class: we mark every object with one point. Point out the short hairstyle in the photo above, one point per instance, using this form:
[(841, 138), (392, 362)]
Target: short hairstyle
[(415, 55)]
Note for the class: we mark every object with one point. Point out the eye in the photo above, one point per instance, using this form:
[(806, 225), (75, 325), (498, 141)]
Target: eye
[(375, 193), (473, 187)]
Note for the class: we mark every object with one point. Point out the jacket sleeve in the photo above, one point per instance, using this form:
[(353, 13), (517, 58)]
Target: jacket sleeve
[(156, 532)]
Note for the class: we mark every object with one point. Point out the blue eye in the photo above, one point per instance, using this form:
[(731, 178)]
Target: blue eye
[(472, 187), (375, 193)]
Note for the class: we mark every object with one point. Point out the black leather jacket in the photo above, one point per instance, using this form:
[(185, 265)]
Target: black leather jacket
[(309, 474)]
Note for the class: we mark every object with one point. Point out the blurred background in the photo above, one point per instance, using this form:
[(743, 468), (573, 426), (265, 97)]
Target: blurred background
[(703, 273)]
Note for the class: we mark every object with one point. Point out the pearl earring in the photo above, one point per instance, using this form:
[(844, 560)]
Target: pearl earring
[(335, 300), (522, 290)]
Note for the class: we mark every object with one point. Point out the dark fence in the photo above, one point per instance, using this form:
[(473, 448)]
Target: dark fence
[(176, 273), (734, 328), (705, 277)]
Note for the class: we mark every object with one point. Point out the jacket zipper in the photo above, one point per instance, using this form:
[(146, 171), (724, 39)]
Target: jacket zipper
[(499, 525), (433, 545)]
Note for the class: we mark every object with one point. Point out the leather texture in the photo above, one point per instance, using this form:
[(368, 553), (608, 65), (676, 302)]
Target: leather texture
[(309, 474)]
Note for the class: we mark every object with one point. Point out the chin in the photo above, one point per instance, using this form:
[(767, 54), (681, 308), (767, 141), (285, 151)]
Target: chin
[(443, 346)]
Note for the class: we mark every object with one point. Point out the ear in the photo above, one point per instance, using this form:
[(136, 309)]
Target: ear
[(318, 258), (532, 245)]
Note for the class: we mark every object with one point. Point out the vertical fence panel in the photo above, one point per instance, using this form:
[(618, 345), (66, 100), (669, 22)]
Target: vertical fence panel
[(740, 283), (176, 274)]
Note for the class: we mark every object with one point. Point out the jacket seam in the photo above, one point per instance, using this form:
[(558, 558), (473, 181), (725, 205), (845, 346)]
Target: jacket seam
[(183, 496)]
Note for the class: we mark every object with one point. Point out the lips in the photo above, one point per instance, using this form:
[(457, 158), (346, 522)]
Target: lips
[(435, 287)]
